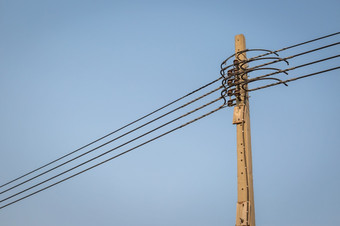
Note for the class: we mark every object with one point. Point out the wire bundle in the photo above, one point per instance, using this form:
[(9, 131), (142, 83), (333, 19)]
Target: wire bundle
[(238, 72), (91, 154)]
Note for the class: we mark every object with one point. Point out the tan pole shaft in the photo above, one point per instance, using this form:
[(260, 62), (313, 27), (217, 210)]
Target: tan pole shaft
[(245, 211)]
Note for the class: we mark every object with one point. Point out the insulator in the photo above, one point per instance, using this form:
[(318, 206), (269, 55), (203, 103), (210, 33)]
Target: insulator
[(231, 103), (231, 73), (230, 82), (236, 64), (236, 78), (230, 92)]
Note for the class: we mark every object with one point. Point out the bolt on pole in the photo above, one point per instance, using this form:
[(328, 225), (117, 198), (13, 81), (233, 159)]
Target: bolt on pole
[(245, 211)]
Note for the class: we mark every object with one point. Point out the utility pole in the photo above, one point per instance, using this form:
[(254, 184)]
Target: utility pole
[(245, 211)]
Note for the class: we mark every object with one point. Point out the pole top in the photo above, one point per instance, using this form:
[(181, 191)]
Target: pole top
[(240, 43)]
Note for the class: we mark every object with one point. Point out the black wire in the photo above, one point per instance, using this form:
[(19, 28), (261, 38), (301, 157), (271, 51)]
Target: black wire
[(290, 69), (155, 112), (279, 50), (258, 67), (294, 79), (296, 55), (116, 156), (109, 134), (247, 50), (115, 148), (299, 44), (62, 164)]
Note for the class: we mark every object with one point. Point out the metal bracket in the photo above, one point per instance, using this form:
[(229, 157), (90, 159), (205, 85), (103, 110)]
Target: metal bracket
[(238, 114)]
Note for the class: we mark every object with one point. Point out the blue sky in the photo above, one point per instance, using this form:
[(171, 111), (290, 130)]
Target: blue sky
[(73, 71)]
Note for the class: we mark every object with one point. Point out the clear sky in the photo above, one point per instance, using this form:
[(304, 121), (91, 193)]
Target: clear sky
[(72, 71)]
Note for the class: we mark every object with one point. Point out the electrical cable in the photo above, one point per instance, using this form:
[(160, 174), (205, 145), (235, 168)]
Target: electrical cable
[(183, 125), (303, 43), (236, 75), (109, 134), (290, 57), (280, 50), (115, 148), (112, 140), (280, 59), (111, 158), (294, 79), (290, 69)]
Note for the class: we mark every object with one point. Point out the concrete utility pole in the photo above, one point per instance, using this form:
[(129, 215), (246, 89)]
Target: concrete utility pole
[(245, 211)]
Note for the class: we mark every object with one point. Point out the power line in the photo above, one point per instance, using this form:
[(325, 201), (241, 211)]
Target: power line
[(115, 148), (291, 57), (290, 69), (268, 52), (222, 73), (109, 159), (236, 79), (112, 140), (111, 133), (294, 79), (277, 59)]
